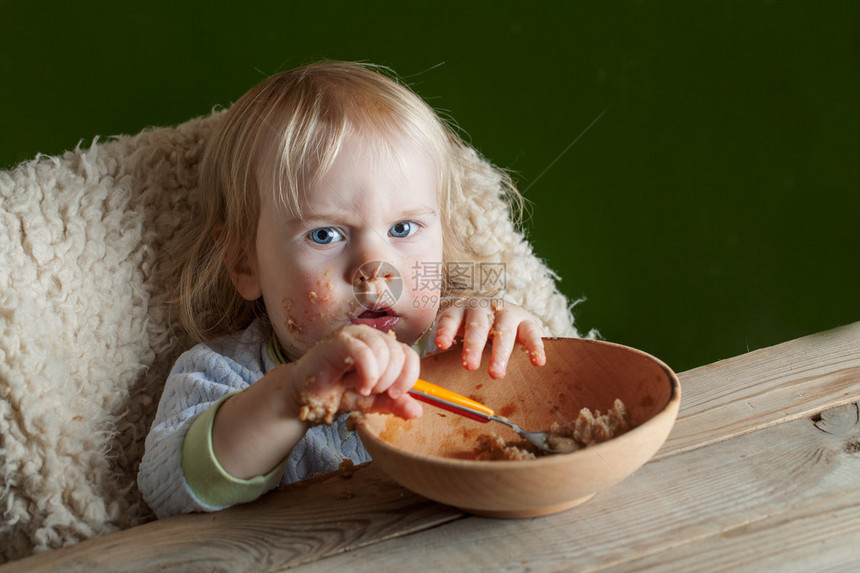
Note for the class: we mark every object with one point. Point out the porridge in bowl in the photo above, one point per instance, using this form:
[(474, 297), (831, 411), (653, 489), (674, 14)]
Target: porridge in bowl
[(586, 430)]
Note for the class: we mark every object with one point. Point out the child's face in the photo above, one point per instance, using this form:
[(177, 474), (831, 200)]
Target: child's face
[(372, 233)]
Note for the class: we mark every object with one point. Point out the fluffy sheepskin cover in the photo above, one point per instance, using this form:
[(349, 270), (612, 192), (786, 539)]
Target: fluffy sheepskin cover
[(85, 344)]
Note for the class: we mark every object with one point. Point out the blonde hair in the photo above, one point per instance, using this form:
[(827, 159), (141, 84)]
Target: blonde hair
[(292, 125)]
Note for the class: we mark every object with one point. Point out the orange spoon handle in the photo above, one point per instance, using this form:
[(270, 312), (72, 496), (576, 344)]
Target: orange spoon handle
[(451, 401)]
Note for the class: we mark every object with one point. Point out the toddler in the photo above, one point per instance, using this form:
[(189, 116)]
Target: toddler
[(324, 194)]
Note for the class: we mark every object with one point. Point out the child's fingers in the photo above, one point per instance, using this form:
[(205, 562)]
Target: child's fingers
[(448, 326), (513, 325), (328, 360), (373, 359), (393, 366), (392, 363), (504, 335), (476, 329), (351, 401), (409, 373), (529, 334), (347, 351), (405, 406)]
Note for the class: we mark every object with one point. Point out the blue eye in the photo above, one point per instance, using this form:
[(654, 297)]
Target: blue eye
[(402, 229), (325, 235)]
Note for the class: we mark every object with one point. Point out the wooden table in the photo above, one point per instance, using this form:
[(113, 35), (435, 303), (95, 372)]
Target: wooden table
[(761, 473)]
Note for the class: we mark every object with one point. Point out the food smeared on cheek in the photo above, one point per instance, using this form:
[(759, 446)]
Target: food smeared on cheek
[(323, 293), (323, 298), (353, 306), (294, 327)]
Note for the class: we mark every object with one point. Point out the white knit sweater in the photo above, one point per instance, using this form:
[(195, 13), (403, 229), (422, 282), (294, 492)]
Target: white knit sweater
[(201, 377)]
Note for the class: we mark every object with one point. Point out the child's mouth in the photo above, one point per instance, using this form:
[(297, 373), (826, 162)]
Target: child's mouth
[(383, 320), (373, 313)]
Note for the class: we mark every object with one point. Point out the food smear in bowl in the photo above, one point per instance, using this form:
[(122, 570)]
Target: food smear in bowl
[(586, 430)]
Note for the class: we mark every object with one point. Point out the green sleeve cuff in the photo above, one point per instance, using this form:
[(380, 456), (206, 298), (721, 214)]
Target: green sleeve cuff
[(207, 479)]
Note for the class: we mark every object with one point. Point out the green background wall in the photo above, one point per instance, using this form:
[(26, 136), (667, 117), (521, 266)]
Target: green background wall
[(712, 209)]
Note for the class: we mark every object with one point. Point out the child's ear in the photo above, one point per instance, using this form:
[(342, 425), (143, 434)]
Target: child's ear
[(242, 268), (243, 273)]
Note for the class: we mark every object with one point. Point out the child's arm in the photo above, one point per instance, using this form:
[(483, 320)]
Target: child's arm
[(357, 365), (478, 320)]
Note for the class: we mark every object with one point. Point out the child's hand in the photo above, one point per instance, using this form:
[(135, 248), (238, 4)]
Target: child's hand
[(358, 368), (355, 368), (479, 319)]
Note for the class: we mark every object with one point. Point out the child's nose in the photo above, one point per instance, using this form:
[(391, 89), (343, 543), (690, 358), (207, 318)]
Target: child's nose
[(372, 269), (370, 254), (375, 273)]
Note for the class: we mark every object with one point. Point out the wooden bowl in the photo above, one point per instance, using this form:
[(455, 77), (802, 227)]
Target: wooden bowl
[(431, 455)]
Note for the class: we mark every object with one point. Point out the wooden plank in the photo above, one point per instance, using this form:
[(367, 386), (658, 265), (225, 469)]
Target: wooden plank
[(764, 485), (819, 533), (829, 529), (285, 528), (788, 381), (313, 520)]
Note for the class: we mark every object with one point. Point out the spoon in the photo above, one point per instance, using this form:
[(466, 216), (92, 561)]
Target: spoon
[(458, 404)]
